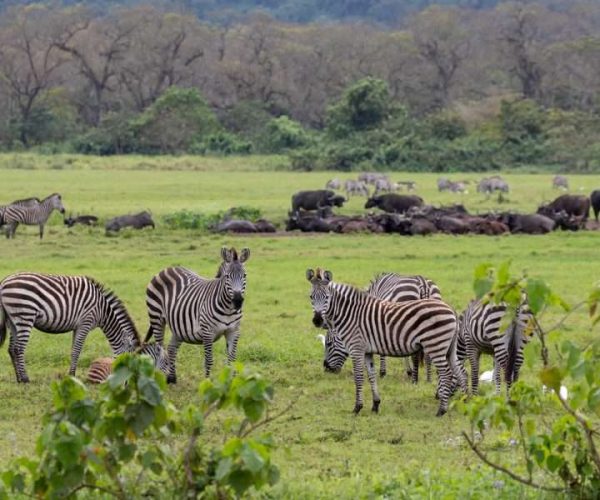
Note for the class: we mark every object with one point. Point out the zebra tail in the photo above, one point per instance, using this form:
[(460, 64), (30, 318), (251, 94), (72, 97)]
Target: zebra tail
[(513, 347), (2, 326)]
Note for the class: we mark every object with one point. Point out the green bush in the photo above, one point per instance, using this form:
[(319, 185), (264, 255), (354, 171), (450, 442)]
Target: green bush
[(114, 135), (222, 143), (186, 219), (522, 120), (284, 134), (122, 443), (445, 126)]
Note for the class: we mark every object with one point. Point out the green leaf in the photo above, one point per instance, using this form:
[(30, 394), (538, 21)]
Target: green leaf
[(150, 391), (253, 461), (537, 294), (594, 398), (551, 377), (119, 377), (503, 274), (483, 281), (240, 481), (223, 469), (553, 462)]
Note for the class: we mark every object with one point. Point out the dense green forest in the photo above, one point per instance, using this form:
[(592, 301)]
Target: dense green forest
[(463, 85)]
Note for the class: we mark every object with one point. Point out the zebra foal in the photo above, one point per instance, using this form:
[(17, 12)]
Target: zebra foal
[(368, 326), (480, 333), (31, 213), (198, 310), (60, 304)]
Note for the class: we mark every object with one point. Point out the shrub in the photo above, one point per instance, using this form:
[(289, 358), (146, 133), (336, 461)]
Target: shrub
[(445, 126), (186, 219), (283, 134), (122, 443), (221, 143)]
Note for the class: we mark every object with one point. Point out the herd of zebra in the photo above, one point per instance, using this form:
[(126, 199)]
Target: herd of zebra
[(197, 310), (398, 316)]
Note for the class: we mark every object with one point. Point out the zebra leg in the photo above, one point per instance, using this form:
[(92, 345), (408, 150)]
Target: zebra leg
[(415, 368), (10, 229), (473, 355), (408, 367), (445, 388), (231, 340), (79, 337), (358, 368), (382, 366), (372, 381), (172, 353), (16, 348), (498, 379), (41, 231), (208, 353)]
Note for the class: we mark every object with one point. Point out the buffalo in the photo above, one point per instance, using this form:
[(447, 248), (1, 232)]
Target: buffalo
[(308, 223), (235, 226), (314, 200), (573, 204), (528, 223), (137, 221), (394, 203), (595, 199)]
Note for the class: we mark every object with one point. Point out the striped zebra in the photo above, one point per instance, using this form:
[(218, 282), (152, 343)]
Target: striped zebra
[(60, 304), (368, 326), (26, 202), (393, 288), (101, 368), (198, 310), (34, 214), (480, 333)]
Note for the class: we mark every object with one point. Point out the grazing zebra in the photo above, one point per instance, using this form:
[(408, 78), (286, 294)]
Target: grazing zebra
[(27, 202), (34, 214), (101, 368), (59, 304), (198, 310), (393, 288), (480, 333), (368, 326)]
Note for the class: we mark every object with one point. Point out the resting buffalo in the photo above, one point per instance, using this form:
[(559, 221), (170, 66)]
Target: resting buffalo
[(264, 226), (315, 200), (595, 198), (86, 220), (308, 224), (394, 203), (236, 226), (528, 223), (137, 221), (573, 204)]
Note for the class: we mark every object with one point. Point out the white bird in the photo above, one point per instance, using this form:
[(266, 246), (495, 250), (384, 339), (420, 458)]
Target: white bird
[(564, 393), (487, 376), (321, 337)]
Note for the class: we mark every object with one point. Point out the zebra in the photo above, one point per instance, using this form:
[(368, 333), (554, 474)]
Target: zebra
[(480, 333), (26, 202), (393, 288), (59, 304), (368, 326), (101, 368), (32, 214), (198, 310)]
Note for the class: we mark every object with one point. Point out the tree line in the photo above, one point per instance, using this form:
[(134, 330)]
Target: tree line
[(72, 77)]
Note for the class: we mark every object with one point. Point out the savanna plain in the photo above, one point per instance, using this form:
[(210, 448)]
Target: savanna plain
[(323, 450)]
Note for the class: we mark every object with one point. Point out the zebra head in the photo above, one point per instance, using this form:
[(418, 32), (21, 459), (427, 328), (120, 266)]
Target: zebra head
[(233, 273), (335, 351), (158, 355), (320, 293), (55, 201)]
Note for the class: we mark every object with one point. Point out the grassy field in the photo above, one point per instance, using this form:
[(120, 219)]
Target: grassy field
[(324, 451)]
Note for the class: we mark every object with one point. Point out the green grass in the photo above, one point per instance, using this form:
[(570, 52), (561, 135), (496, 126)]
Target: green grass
[(323, 450)]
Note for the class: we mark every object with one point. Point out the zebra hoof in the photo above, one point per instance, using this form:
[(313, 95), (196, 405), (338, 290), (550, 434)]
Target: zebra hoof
[(357, 409), (375, 407), (382, 374), (441, 412), (171, 379), (23, 380)]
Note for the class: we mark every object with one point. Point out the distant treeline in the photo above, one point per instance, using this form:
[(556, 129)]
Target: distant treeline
[(453, 88)]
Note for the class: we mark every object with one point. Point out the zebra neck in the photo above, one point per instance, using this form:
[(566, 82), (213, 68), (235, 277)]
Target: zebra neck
[(222, 298), (117, 325), (342, 298)]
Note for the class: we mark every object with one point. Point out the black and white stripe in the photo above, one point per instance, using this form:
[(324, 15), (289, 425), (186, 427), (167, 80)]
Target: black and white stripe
[(60, 304), (101, 368), (393, 288), (480, 333), (198, 310), (31, 214), (26, 202), (368, 326)]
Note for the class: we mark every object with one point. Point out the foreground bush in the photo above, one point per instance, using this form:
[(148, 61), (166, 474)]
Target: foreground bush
[(121, 443)]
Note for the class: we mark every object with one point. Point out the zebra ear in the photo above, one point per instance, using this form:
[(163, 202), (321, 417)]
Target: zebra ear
[(327, 276), (244, 255), (310, 274), (226, 254)]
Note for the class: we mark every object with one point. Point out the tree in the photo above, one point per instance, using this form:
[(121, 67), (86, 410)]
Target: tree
[(29, 62), (178, 118)]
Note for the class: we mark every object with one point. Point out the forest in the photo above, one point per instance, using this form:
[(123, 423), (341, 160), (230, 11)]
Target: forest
[(468, 85)]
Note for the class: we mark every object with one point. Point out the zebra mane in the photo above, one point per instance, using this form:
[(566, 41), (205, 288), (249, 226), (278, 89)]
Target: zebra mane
[(49, 196), (120, 309), (346, 289)]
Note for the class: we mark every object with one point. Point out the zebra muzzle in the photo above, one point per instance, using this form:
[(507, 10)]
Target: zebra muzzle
[(317, 320), (237, 300)]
